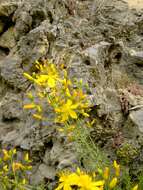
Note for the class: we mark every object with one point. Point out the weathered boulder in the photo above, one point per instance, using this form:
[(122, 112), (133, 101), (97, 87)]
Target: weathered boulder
[(136, 117), (7, 39), (137, 57), (12, 73), (11, 107), (7, 8)]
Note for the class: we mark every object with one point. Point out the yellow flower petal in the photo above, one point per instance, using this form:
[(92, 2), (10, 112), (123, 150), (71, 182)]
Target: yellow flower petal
[(117, 168), (113, 183), (36, 116), (28, 76), (5, 168), (29, 106), (106, 173), (52, 82), (99, 183), (135, 187), (73, 114), (26, 157), (6, 155)]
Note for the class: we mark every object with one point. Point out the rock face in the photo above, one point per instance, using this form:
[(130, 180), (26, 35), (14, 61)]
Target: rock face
[(102, 44), (137, 119)]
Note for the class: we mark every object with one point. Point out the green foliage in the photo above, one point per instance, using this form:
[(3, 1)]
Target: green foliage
[(13, 173), (92, 157), (127, 152), (140, 178)]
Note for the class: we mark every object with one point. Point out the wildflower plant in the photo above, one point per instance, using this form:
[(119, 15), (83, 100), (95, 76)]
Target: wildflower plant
[(101, 179), (64, 97), (56, 91), (14, 174)]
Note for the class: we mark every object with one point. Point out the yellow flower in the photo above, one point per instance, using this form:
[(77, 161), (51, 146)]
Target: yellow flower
[(17, 166), (39, 109), (106, 173), (48, 75), (45, 80), (117, 168), (24, 181), (99, 183), (14, 151), (86, 183), (66, 181), (68, 92), (113, 183), (26, 157), (66, 83), (61, 130), (84, 113), (78, 171), (29, 106), (28, 76), (28, 167), (135, 187), (5, 168), (6, 155), (29, 95), (67, 110), (37, 116), (41, 94)]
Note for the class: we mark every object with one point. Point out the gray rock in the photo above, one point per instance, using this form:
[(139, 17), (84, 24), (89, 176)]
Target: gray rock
[(11, 107), (7, 39), (12, 73), (98, 53), (10, 137), (5, 129), (36, 178), (136, 57), (7, 8), (30, 49), (47, 171), (137, 118), (68, 162), (41, 173), (56, 152)]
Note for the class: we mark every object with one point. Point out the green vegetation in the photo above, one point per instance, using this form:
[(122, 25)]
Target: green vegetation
[(14, 174), (127, 152), (70, 108)]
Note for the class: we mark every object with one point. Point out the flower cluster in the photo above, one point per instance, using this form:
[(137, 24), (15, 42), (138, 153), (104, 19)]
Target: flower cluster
[(100, 180), (56, 91), (62, 101), (13, 173), (79, 179)]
